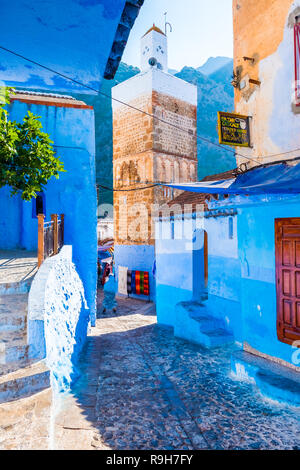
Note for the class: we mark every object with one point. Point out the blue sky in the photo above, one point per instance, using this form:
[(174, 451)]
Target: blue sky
[(201, 29)]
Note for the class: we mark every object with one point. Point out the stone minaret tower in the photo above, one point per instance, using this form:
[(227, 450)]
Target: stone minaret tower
[(147, 150)]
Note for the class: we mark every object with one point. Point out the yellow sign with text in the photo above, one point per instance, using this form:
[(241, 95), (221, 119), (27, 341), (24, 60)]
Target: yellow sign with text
[(233, 129)]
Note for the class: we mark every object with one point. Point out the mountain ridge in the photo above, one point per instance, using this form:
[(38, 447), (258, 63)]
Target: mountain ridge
[(213, 64)]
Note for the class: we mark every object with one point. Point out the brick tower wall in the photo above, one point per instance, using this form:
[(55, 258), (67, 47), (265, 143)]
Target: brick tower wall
[(147, 151)]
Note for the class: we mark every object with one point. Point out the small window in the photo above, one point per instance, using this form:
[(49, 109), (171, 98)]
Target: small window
[(160, 226), (39, 205), (172, 226), (230, 228)]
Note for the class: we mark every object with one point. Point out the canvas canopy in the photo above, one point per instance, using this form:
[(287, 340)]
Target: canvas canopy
[(279, 178)]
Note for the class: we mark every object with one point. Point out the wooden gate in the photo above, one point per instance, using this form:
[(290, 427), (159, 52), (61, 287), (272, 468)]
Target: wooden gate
[(287, 247), (50, 236)]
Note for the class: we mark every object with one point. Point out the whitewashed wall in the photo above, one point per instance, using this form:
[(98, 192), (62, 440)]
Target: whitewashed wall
[(58, 317)]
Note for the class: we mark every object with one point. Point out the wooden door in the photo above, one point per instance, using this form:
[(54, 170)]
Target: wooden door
[(287, 247)]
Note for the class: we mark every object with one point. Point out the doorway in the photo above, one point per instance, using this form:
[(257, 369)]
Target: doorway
[(287, 253)]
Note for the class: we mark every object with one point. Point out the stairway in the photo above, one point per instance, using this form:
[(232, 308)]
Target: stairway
[(20, 375), (194, 322), (273, 380)]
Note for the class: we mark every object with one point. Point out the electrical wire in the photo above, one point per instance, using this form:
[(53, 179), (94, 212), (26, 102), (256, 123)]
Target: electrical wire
[(99, 92), (130, 189)]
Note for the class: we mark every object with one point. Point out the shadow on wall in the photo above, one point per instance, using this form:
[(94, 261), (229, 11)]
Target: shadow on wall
[(58, 318)]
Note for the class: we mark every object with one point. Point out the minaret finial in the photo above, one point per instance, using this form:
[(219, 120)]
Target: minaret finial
[(167, 24)]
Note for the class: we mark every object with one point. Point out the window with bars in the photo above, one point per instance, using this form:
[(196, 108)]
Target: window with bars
[(230, 228), (172, 218), (297, 59)]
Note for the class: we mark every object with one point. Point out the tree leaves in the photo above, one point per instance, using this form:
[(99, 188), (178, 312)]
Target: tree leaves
[(27, 156)]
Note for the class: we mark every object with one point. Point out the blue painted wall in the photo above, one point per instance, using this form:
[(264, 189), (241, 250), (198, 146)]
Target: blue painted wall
[(241, 271), (174, 274), (139, 258), (180, 270), (73, 194), (73, 37), (256, 235), (224, 273), (11, 209)]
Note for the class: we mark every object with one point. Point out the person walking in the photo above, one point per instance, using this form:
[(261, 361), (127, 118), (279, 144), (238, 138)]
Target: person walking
[(109, 301)]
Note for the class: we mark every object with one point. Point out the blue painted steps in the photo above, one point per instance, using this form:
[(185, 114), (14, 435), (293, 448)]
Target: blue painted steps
[(24, 382), (14, 349), (195, 323), (20, 376), (273, 380), (13, 312)]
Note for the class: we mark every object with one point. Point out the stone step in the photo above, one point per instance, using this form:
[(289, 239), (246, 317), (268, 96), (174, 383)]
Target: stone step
[(14, 352), (13, 347), (14, 366), (16, 288), (13, 312), (12, 321), (24, 382), (12, 337), (13, 302), (214, 338), (13, 318), (206, 322), (194, 323), (273, 380), (201, 313)]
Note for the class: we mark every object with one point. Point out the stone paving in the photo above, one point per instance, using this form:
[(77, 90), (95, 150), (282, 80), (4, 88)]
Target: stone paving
[(141, 388), (17, 265)]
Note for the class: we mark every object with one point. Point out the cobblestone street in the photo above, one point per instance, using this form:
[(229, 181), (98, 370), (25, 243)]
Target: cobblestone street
[(141, 388)]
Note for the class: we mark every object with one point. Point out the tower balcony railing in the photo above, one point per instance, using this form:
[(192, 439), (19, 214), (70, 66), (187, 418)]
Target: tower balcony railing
[(50, 236)]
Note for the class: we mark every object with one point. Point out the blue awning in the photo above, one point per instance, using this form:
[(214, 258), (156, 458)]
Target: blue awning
[(279, 178)]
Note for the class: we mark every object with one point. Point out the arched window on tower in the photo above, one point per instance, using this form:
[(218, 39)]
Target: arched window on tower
[(148, 168), (141, 171), (117, 175), (163, 173), (168, 171), (183, 172), (192, 172), (125, 174), (176, 172)]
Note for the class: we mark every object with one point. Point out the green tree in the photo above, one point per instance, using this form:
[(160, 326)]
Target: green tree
[(27, 156)]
